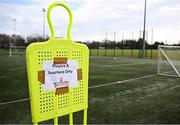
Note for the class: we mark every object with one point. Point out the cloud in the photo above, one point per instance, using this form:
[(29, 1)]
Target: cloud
[(92, 18)]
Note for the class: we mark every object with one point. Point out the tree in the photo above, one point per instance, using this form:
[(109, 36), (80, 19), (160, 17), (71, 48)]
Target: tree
[(155, 46), (4, 41), (36, 38), (17, 40)]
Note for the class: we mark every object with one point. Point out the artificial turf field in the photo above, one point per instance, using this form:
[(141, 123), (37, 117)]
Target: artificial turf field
[(140, 97)]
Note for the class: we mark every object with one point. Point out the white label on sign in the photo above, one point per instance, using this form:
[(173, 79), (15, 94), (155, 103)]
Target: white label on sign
[(60, 75)]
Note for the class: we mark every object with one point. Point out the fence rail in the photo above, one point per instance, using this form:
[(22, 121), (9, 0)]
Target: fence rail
[(150, 53)]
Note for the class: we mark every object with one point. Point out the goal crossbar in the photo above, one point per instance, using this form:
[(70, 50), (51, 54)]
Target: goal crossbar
[(19, 47), (11, 48)]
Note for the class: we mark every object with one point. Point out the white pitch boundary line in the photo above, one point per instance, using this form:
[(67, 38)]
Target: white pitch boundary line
[(91, 87), (130, 64), (119, 82), (10, 102)]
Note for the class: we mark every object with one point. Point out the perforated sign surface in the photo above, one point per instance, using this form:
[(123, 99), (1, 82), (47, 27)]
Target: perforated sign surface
[(57, 75)]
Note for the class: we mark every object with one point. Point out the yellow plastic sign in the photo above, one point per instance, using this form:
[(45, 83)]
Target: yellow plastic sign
[(57, 75)]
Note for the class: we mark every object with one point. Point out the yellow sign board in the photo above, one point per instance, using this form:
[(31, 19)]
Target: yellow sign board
[(57, 75)]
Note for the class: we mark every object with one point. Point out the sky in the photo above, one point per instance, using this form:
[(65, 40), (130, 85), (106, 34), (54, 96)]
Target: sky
[(93, 18)]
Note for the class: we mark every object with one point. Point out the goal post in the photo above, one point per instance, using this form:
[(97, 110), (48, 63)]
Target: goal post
[(17, 50), (168, 61)]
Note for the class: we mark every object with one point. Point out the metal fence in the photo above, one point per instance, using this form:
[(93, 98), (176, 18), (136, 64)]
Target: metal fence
[(150, 53)]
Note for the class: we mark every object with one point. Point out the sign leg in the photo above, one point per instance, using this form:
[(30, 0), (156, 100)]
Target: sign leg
[(71, 118), (85, 117), (56, 121)]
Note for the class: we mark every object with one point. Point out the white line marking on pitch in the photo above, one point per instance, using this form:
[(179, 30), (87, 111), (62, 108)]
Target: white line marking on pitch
[(10, 102), (130, 64), (119, 82), (91, 87)]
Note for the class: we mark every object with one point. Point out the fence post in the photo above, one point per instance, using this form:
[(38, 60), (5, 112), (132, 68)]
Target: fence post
[(97, 51), (90, 52), (131, 49), (114, 52), (151, 52), (122, 47), (105, 43), (114, 44), (139, 52)]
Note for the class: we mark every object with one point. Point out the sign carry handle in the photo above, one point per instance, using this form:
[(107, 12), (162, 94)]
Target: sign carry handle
[(50, 22)]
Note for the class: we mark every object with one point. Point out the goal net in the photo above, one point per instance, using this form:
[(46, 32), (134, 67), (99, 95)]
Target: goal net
[(169, 60), (17, 50)]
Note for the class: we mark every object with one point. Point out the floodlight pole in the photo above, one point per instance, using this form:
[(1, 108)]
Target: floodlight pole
[(132, 36), (139, 34), (14, 27), (114, 44), (146, 36), (146, 39), (122, 36), (14, 22), (144, 32), (152, 35), (44, 16)]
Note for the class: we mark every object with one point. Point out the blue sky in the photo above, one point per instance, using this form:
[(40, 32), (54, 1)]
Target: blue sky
[(92, 18)]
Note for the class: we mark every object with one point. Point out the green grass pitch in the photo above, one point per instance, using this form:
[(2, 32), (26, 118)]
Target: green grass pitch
[(154, 99)]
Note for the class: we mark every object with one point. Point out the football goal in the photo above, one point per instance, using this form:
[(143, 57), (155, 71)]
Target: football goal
[(17, 50), (168, 61)]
